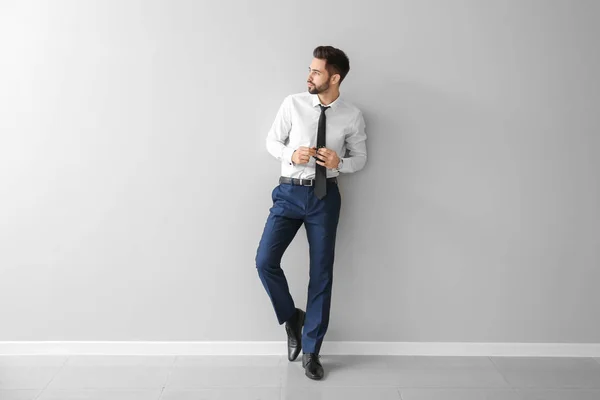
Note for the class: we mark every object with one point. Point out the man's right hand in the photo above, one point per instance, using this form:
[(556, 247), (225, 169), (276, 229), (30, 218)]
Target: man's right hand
[(303, 154)]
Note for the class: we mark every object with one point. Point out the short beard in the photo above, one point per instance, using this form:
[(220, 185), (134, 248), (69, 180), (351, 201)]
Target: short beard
[(320, 89)]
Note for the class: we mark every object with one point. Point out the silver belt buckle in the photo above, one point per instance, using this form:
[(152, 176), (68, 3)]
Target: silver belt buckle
[(311, 182)]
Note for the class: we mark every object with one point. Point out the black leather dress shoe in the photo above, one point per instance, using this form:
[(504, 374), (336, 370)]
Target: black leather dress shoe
[(293, 329), (312, 366)]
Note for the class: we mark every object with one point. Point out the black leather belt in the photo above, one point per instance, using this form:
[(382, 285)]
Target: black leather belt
[(302, 182)]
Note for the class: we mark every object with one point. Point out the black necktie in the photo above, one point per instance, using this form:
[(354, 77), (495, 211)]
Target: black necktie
[(321, 171)]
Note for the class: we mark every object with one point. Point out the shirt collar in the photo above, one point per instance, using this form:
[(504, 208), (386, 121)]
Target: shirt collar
[(333, 105)]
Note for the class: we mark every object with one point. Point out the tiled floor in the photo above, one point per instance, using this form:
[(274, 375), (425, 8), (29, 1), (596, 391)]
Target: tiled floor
[(274, 378)]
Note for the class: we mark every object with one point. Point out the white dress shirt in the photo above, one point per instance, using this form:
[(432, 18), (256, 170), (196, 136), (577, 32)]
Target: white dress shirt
[(296, 125)]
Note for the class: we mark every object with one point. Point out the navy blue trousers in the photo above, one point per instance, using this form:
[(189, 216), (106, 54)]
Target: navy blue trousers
[(292, 206)]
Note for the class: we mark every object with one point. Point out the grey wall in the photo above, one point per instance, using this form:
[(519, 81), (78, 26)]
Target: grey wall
[(135, 182)]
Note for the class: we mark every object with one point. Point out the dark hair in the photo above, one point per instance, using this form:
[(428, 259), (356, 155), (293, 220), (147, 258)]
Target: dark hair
[(336, 60)]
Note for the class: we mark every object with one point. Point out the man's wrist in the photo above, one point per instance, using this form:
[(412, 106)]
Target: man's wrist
[(288, 154)]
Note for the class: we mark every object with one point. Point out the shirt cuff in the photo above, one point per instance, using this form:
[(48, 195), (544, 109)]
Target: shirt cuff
[(287, 155)]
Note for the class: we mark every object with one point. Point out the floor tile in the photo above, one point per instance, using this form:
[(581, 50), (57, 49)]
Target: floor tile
[(209, 377), (398, 372), (114, 372), (558, 394), (32, 361), (549, 372), (27, 394), (413, 362), (28, 372), (121, 361), (458, 394), (101, 394), (264, 393), (274, 377), (228, 361), (191, 372), (340, 393)]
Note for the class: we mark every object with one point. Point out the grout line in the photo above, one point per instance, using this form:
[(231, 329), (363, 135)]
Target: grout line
[(280, 368), (399, 393), (52, 379), (168, 376), (500, 372), (37, 396)]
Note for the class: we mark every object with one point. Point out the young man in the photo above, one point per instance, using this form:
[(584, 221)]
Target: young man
[(310, 136)]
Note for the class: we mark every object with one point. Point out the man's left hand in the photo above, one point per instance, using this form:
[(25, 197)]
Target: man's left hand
[(329, 158)]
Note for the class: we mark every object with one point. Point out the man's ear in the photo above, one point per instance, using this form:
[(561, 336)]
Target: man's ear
[(335, 78)]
